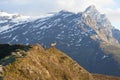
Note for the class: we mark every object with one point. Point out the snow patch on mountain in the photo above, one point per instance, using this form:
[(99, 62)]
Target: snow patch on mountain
[(3, 28), (105, 56), (14, 17)]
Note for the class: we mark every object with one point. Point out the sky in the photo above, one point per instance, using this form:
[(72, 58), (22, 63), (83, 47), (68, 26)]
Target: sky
[(38, 7)]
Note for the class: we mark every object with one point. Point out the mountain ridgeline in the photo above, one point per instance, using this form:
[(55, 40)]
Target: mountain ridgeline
[(87, 37), (33, 62)]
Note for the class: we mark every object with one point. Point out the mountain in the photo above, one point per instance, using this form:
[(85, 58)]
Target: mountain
[(9, 21), (33, 62), (87, 37)]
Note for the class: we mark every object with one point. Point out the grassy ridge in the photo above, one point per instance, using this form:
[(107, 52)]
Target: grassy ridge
[(40, 64), (36, 63)]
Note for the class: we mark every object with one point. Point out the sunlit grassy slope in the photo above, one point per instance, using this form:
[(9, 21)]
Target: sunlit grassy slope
[(40, 64), (36, 63)]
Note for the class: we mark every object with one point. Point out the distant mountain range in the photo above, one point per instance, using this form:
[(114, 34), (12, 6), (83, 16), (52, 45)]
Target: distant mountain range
[(88, 37)]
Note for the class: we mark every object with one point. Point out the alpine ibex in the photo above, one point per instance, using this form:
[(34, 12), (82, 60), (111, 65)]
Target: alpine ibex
[(53, 44)]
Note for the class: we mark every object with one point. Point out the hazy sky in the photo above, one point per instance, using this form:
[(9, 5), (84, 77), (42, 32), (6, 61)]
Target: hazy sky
[(37, 7)]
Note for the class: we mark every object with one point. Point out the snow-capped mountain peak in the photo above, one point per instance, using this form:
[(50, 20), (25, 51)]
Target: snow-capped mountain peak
[(64, 13), (91, 8), (95, 15), (2, 13), (8, 20), (14, 17), (92, 12)]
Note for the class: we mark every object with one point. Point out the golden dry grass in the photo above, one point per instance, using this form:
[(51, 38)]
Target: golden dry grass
[(103, 77), (40, 64)]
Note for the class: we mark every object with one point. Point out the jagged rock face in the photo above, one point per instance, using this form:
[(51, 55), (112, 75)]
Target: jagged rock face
[(40, 64), (100, 24), (85, 37)]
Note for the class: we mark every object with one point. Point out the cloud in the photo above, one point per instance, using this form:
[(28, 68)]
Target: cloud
[(55, 5), (113, 15), (80, 5), (18, 2)]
